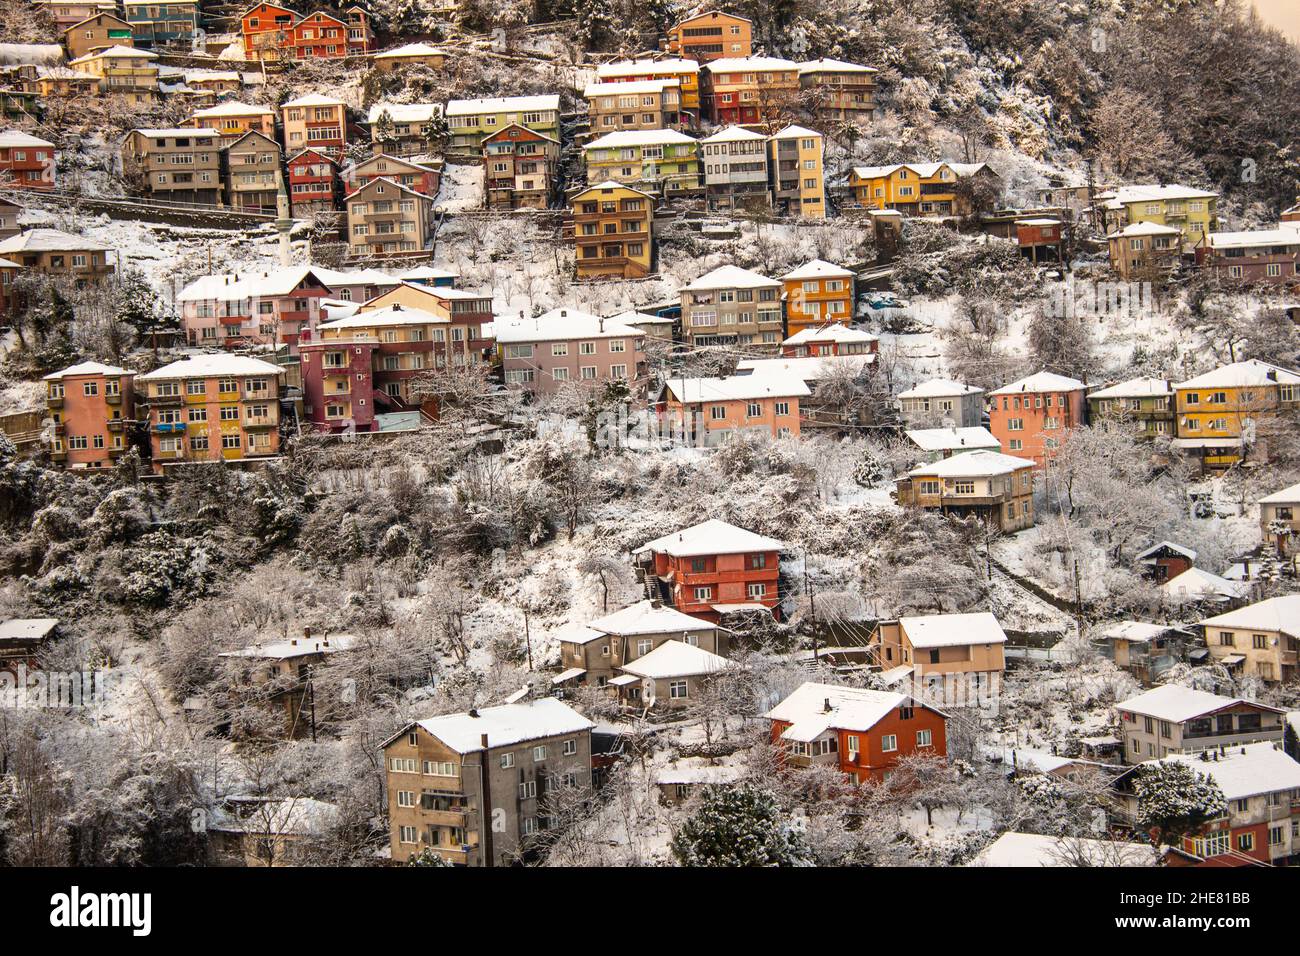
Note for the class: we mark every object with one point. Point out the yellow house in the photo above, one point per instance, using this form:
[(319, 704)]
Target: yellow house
[(612, 229), (1191, 211), (1223, 414), (796, 173), (122, 71), (233, 119), (916, 189), (685, 72), (816, 293)]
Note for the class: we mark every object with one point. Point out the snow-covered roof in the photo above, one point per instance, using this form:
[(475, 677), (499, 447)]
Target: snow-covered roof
[(1289, 495), (645, 618), (1135, 388), (676, 659), (30, 53), (979, 463), (940, 388), (1179, 704), (87, 368), (561, 325), (714, 536), (410, 50), (1243, 772), (642, 67), (953, 439), (629, 87), (639, 137), (639, 319), (50, 240), (1259, 237), (813, 708), (794, 132), (1035, 850), (818, 269), (315, 99), (736, 388), (232, 108), (1139, 632), (953, 630), (404, 112), (838, 332), (115, 51), (210, 365), (1131, 194), (809, 368), (746, 64), (177, 131), (32, 629), (1041, 382), (732, 134), (505, 725), (287, 650), (608, 185), (726, 773), (1196, 584), (1274, 614), (294, 816), (923, 170), (235, 287), (504, 104), (1187, 553), (730, 277), (17, 138), (827, 65), (1137, 229), (1251, 372), (393, 315)]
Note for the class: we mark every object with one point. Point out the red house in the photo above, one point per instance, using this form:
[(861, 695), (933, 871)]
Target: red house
[(1030, 418), (28, 161), (313, 183), (267, 31), (861, 732), (319, 36), (713, 568)]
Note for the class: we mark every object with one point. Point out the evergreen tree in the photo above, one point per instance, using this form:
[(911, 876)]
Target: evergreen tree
[(1174, 799), (741, 826)]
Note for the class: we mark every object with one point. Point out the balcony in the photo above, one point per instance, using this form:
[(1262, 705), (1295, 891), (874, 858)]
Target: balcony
[(56, 455), (444, 818), (117, 452), (167, 401), (113, 399), (116, 424), (169, 427), (260, 423), (55, 402)]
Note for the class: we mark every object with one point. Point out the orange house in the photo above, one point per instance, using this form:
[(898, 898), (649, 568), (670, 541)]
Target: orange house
[(1030, 418), (862, 733), (713, 568), (91, 406), (267, 31), (711, 36), (709, 411), (815, 293)]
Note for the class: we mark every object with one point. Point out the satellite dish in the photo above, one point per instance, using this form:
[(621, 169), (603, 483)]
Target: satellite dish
[(648, 691)]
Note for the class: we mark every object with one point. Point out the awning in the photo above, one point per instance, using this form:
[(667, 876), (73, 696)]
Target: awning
[(571, 674), (622, 680), (1232, 659), (1205, 443), (732, 608)]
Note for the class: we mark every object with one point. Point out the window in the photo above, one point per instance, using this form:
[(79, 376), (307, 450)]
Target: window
[(403, 765), (704, 594), (527, 789), (507, 761), (440, 768), (1246, 842), (889, 743), (782, 409), (677, 690), (756, 591), (923, 738), (539, 752), (1212, 844), (852, 744), (570, 748), (408, 835), (406, 798)]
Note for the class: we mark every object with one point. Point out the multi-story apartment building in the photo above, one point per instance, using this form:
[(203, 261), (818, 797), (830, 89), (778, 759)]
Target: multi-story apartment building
[(1270, 256), (385, 217), (26, 161), (232, 120), (862, 733), (163, 23), (997, 488), (923, 189), (404, 129), (519, 168), (1193, 212), (837, 91), (632, 105), (751, 89), (1262, 822), (1259, 640), (256, 308), (410, 54), (213, 407), (478, 788), (544, 354), (830, 339), (98, 32), (732, 306), (1144, 405), (712, 568), (685, 72), (955, 658), (69, 12), (816, 293), (711, 36), (469, 336), (176, 165), (1145, 251), (709, 411), (1177, 720), (735, 166), (423, 178), (471, 120), (315, 121), (660, 161), (796, 178), (267, 32), (361, 36), (613, 229), (1031, 417), (253, 172), (600, 647), (1224, 414), (56, 253), (91, 406), (319, 36), (313, 183), (123, 71)]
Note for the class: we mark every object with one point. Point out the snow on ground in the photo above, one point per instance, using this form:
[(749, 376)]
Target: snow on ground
[(461, 189)]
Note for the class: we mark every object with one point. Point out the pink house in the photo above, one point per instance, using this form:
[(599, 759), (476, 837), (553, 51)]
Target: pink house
[(565, 345), (256, 308)]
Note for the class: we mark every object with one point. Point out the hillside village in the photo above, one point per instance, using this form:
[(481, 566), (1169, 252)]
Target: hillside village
[(596, 434)]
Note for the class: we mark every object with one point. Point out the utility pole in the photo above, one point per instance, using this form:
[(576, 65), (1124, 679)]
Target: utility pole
[(528, 643)]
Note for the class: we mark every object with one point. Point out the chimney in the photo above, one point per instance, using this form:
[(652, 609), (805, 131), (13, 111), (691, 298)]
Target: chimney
[(656, 604), (306, 632), (564, 313), (826, 705), (483, 741), (473, 711), (294, 642), (397, 307)]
